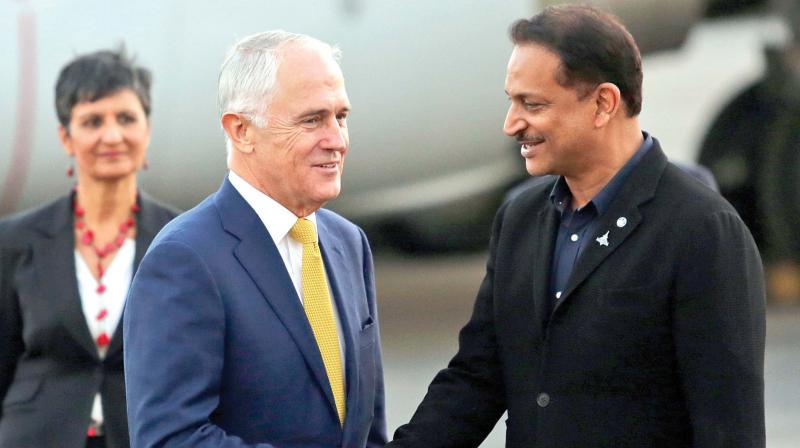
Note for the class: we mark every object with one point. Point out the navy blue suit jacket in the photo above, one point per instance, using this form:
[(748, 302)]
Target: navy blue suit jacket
[(218, 350)]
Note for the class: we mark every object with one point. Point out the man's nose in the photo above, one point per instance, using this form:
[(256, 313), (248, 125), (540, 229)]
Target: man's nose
[(335, 136), (514, 123)]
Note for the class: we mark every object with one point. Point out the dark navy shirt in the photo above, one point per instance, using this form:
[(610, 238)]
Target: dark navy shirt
[(578, 227)]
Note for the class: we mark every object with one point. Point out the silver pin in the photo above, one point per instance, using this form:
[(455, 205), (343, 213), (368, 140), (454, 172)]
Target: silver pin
[(603, 240), (622, 221)]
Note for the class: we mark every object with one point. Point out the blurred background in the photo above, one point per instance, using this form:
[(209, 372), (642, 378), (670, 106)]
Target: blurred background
[(429, 164)]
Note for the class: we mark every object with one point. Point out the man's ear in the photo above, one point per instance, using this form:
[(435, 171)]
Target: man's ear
[(236, 127), (608, 101)]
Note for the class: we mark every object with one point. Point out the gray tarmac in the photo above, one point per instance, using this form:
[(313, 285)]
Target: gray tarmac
[(424, 301)]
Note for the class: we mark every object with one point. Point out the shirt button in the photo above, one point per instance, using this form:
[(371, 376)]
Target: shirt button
[(543, 400), (558, 295), (574, 237)]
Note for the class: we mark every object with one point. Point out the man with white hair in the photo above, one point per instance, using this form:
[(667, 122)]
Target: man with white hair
[(252, 320)]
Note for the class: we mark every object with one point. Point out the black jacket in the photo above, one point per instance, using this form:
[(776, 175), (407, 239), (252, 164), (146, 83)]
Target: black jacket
[(49, 367), (658, 340)]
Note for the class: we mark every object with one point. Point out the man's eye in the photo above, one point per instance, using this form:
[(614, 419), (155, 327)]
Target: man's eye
[(312, 121), (532, 106)]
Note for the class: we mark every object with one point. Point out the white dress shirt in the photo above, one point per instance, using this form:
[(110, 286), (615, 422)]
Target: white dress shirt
[(278, 220), (117, 279)]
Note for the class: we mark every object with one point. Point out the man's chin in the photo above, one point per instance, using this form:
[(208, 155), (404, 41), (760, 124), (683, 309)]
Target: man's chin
[(535, 169), (328, 194)]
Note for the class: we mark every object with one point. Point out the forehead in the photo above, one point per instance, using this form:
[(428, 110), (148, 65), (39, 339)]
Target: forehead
[(309, 73), (532, 63)]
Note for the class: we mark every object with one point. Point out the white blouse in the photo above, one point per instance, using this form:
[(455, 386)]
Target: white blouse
[(117, 279)]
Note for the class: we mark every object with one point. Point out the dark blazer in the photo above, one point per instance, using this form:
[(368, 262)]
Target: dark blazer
[(218, 348), (658, 340), (49, 367)]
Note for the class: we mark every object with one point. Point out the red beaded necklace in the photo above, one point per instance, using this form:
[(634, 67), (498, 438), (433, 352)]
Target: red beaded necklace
[(87, 238)]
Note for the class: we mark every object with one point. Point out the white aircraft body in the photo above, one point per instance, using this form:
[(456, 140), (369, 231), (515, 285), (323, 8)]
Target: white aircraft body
[(425, 79)]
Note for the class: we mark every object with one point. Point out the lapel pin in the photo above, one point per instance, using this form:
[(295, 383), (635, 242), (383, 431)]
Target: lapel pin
[(622, 221), (603, 240)]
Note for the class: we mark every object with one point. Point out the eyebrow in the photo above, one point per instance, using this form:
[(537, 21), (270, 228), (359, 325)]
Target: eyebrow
[(94, 114), (322, 111), (526, 95)]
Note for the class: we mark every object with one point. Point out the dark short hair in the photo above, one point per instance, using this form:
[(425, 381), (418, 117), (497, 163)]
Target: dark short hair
[(593, 45), (97, 75)]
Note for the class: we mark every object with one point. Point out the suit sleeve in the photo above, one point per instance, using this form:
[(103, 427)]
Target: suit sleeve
[(377, 437), (11, 344), (466, 399), (719, 332), (174, 330)]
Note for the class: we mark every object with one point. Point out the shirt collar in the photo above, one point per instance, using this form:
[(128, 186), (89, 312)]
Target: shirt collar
[(560, 193), (277, 219)]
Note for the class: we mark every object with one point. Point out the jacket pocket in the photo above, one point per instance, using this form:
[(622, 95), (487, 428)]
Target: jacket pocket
[(22, 391), (366, 336)]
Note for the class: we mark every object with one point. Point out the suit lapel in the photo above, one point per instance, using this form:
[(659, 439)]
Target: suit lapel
[(335, 268), (621, 219), (543, 243), (595, 252), (146, 228), (55, 259), (259, 256)]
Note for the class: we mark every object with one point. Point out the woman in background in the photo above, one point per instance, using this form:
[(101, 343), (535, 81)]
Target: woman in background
[(65, 267)]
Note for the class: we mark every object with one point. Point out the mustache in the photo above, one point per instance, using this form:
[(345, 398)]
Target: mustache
[(521, 138)]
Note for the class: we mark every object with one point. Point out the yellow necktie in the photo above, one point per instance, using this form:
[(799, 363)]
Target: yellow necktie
[(319, 309)]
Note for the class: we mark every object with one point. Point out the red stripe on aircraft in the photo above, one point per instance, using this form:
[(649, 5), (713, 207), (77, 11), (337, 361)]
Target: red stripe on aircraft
[(26, 104)]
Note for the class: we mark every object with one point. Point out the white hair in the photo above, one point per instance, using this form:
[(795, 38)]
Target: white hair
[(248, 76)]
